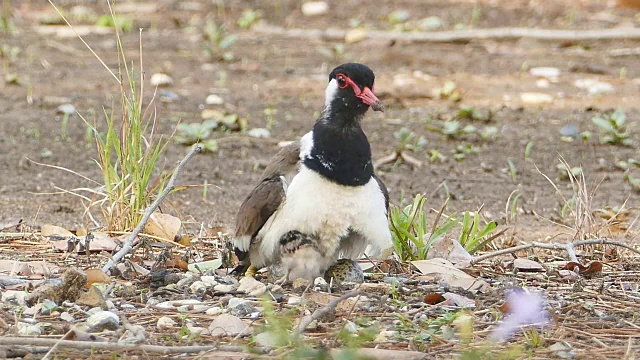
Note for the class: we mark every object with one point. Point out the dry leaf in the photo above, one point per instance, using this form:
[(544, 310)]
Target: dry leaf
[(591, 270), (433, 298), (53, 230), (96, 276), (99, 242), (450, 249), (445, 271), (205, 265), (163, 226)]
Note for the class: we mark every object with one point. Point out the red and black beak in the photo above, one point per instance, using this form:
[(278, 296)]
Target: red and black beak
[(369, 98)]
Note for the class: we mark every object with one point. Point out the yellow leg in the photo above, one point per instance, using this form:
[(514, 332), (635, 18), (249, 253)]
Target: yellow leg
[(251, 271)]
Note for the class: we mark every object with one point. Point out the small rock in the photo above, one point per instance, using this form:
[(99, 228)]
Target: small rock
[(542, 83), (225, 288), (351, 327), (549, 73), (32, 311), (214, 99), (198, 288), (267, 339), (187, 280), (355, 35), (527, 265), (103, 320), (228, 325), (66, 109), (430, 23), (251, 286), (92, 298), (570, 130), (25, 329), (594, 86), (240, 306), (196, 330), (294, 300), (14, 297), (65, 316), (562, 350), (259, 133), (160, 79), (534, 98), (385, 335), (165, 322), (194, 308), (168, 96), (177, 303), (315, 8), (47, 307), (459, 300), (209, 280), (216, 310), (211, 114)]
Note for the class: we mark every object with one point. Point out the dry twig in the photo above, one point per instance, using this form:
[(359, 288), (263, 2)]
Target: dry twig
[(171, 184), (568, 247), (307, 320), (458, 35)]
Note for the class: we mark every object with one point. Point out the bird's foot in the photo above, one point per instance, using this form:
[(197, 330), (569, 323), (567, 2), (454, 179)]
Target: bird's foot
[(251, 271), (282, 281)]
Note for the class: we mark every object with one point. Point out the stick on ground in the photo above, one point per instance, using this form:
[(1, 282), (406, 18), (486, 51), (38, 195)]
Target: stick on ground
[(307, 320), (171, 184)]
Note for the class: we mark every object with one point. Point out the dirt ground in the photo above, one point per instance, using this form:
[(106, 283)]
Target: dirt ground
[(289, 75)]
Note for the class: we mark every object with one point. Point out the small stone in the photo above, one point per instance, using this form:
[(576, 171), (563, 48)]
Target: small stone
[(225, 288), (430, 23), (103, 320), (198, 288), (542, 83), (178, 303), (315, 8), (351, 327), (594, 86), (570, 130), (187, 280), (165, 322), (14, 297), (168, 96), (267, 339), (160, 79), (211, 114), (93, 298), (194, 308), (562, 350), (549, 73), (228, 325), (196, 330), (251, 286), (534, 98), (214, 99), (66, 109), (527, 265), (25, 329), (209, 280), (459, 300), (259, 133), (355, 35), (385, 335), (32, 311), (65, 316), (47, 307), (216, 310), (240, 304), (294, 300)]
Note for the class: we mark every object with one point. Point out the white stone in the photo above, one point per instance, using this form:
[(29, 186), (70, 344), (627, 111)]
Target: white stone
[(214, 99), (177, 303), (267, 339), (594, 86), (103, 320), (225, 288), (209, 280), (14, 297), (160, 79), (294, 300), (198, 288), (228, 325), (549, 73), (25, 329), (165, 322), (315, 8), (534, 98), (259, 133), (351, 327), (249, 285), (216, 310)]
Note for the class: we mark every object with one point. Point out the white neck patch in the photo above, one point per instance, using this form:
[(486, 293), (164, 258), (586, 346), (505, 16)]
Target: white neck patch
[(330, 92), (306, 144)]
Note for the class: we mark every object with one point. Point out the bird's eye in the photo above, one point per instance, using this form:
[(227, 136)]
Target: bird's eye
[(342, 81)]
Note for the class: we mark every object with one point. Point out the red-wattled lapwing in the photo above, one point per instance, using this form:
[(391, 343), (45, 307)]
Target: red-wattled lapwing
[(335, 206)]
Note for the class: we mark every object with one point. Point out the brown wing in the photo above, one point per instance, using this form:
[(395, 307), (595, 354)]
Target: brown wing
[(261, 203), (285, 162)]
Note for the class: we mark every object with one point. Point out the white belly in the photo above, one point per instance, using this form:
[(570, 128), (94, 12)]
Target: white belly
[(315, 205)]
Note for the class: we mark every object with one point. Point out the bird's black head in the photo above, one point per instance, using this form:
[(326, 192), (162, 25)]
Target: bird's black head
[(350, 89)]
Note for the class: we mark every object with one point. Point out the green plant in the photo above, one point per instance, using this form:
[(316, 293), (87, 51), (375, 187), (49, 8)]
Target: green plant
[(6, 17), (128, 151), (464, 150), (409, 228), (408, 140), (474, 236), (120, 22), (513, 172), (249, 18), (448, 91), (218, 41), (613, 129), (435, 156), (471, 113)]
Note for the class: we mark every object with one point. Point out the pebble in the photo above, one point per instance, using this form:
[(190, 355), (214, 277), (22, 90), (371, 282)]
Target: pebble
[(594, 86), (228, 325), (197, 308), (351, 327), (160, 79), (33, 310), (211, 114), (251, 286), (430, 23), (66, 109), (65, 316), (385, 335), (25, 329), (103, 320), (267, 339), (189, 279), (549, 73), (534, 98), (93, 298), (214, 99), (173, 304), (168, 96), (259, 133), (47, 307), (209, 280), (14, 297), (216, 310), (198, 288), (165, 322), (225, 288), (294, 300), (240, 306), (315, 8), (196, 330)]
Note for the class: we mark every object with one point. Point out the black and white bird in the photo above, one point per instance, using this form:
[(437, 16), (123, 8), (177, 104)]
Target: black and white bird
[(335, 206)]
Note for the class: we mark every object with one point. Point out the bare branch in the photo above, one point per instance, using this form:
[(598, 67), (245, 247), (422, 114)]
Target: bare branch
[(307, 320), (171, 184)]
